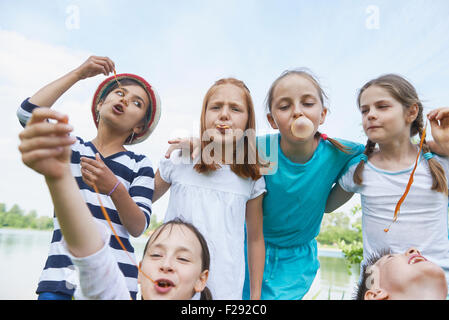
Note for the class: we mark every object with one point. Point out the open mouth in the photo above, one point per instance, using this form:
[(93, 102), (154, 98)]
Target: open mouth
[(118, 108), (163, 285), (416, 258)]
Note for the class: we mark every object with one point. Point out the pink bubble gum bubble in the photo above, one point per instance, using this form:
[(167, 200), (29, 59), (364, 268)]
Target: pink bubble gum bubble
[(302, 128)]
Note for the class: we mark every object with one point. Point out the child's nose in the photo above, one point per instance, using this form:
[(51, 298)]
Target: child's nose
[(224, 114), (412, 251), (166, 266), (124, 101), (372, 114), (297, 111)]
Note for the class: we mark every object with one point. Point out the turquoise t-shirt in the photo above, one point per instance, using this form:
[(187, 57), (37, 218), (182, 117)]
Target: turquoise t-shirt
[(296, 197)]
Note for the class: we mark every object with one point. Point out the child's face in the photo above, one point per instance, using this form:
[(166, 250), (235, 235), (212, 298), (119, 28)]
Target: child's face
[(125, 108), (406, 276), (384, 119), (295, 96), (226, 116), (174, 261)]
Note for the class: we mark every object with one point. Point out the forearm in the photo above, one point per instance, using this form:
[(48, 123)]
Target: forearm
[(76, 222), (337, 197), (256, 262), (131, 216), (160, 186), (48, 95)]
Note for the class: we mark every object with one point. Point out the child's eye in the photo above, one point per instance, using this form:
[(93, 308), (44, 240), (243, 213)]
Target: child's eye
[(120, 93), (309, 104), (284, 107), (183, 259), (137, 103), (236, 109), (155, 255)]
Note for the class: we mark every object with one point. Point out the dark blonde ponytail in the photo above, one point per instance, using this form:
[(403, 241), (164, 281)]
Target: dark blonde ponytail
[(369, 148), (334, 142), (436, 170)]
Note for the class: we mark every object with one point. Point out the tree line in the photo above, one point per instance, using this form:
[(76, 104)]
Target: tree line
[(16, 217)]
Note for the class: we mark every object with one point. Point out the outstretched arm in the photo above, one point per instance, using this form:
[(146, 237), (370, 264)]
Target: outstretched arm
[(93, 66), (45, 148), (337, 197)]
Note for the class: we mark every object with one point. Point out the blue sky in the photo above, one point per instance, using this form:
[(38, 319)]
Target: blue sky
[(182, 47)]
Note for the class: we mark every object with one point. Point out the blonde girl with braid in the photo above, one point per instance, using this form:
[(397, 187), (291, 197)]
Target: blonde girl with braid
[(392, 114)]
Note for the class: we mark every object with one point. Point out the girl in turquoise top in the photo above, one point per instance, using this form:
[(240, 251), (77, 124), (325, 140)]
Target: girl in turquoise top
[(306, 166)]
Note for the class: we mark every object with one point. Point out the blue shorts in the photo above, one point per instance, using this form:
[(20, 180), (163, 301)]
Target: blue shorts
[(289, 272), (53, 296)]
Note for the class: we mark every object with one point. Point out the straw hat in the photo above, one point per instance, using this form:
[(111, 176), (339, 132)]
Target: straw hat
[(154, 113)]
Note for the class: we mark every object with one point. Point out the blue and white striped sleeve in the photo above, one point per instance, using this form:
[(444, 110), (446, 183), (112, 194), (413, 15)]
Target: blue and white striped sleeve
[(25, 110), (142, 188)]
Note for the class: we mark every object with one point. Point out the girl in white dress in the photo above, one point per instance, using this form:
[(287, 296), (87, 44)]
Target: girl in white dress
[(218, 191)]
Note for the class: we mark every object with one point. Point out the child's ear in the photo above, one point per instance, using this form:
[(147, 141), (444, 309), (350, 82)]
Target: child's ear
[(412, 113), (376, 294), (323, 115), (200, 284), (271, 121), (139, 129)]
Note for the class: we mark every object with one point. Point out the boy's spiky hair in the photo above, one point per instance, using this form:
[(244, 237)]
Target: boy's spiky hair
[(363, 286)]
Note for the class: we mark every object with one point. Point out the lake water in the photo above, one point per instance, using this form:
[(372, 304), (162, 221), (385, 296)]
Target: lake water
[(23, 254)]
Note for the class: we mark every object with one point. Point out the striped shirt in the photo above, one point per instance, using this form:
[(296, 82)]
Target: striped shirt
[(135, 172)]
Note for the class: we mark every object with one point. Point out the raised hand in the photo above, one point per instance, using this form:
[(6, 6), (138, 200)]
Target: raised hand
[(192, 145), (96, 172), (93, 66), (45, 146)]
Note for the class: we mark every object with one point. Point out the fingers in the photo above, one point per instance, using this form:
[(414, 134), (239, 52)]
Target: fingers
[(170, 150), (104, 63), (195, 152), (438, 114), (45, 129), (45, 142), (31, 157), (91, 162), (45, 135), (42, 114)]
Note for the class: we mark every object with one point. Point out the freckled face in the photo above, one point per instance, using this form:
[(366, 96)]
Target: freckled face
[(226, 114)]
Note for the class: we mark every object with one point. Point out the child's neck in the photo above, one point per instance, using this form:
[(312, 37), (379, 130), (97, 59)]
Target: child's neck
[(299, 152), (108, 144), (397, 155)]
